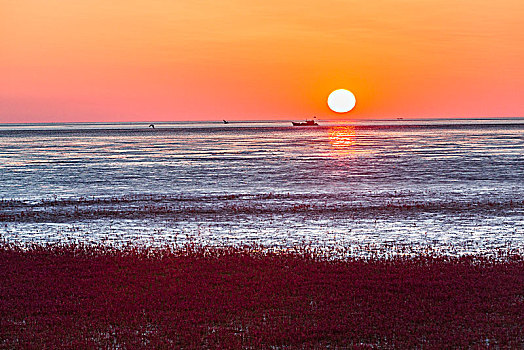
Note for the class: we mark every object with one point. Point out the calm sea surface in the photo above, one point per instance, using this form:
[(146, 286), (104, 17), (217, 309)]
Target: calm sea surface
[(446, 183)]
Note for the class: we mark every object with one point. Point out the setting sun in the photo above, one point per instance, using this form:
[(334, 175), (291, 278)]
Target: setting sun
[(341, 101)]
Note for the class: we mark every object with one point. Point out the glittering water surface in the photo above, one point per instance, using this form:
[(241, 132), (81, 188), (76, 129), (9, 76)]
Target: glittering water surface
[(443, 183)]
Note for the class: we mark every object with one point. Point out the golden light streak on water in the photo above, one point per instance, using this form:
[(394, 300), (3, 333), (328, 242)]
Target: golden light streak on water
[(342, 139)]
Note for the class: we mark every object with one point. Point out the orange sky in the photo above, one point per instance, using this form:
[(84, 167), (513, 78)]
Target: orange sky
[(141, 60)]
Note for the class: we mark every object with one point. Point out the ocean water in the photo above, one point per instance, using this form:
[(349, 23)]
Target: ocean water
[(456, 185)]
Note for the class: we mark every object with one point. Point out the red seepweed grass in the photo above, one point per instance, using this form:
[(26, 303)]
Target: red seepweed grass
[(98, 296)]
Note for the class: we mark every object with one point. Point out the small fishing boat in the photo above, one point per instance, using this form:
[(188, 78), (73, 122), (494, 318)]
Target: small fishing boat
[(311, 122)]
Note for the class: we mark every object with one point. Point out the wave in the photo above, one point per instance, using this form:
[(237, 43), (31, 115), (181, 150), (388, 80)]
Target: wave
[(183, 206)]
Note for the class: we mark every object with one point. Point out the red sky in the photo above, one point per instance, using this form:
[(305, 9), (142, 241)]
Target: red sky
[(151, 60)]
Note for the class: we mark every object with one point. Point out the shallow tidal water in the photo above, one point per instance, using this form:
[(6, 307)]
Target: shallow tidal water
[(456, 185)]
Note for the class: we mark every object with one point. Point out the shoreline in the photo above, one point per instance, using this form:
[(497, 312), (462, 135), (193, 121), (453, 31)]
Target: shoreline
[(475, 225)]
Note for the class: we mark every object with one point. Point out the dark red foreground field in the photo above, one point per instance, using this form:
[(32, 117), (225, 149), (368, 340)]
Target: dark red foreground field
[(100, 297)]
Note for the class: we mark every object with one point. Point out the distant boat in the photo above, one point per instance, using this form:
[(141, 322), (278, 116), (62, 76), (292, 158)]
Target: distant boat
[(311, 122), (152, 126), (225, 121)]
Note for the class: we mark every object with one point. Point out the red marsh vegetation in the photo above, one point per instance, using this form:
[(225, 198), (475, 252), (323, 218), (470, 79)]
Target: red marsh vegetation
[(74, 296)]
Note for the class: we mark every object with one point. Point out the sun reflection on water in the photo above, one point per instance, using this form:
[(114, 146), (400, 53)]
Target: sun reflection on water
[(342, 139)]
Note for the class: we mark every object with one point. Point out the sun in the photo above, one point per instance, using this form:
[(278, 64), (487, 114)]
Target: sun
[(341, 101)]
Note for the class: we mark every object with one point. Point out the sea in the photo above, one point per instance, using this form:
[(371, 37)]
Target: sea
[(455, 185)]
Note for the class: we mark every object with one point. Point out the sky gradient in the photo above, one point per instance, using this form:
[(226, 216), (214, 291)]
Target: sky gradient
[(152, 60)]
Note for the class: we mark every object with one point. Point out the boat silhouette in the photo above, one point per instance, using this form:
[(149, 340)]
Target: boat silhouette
[(311, 122)]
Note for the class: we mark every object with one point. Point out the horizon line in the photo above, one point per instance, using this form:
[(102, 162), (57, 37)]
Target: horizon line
[(262, 120)]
